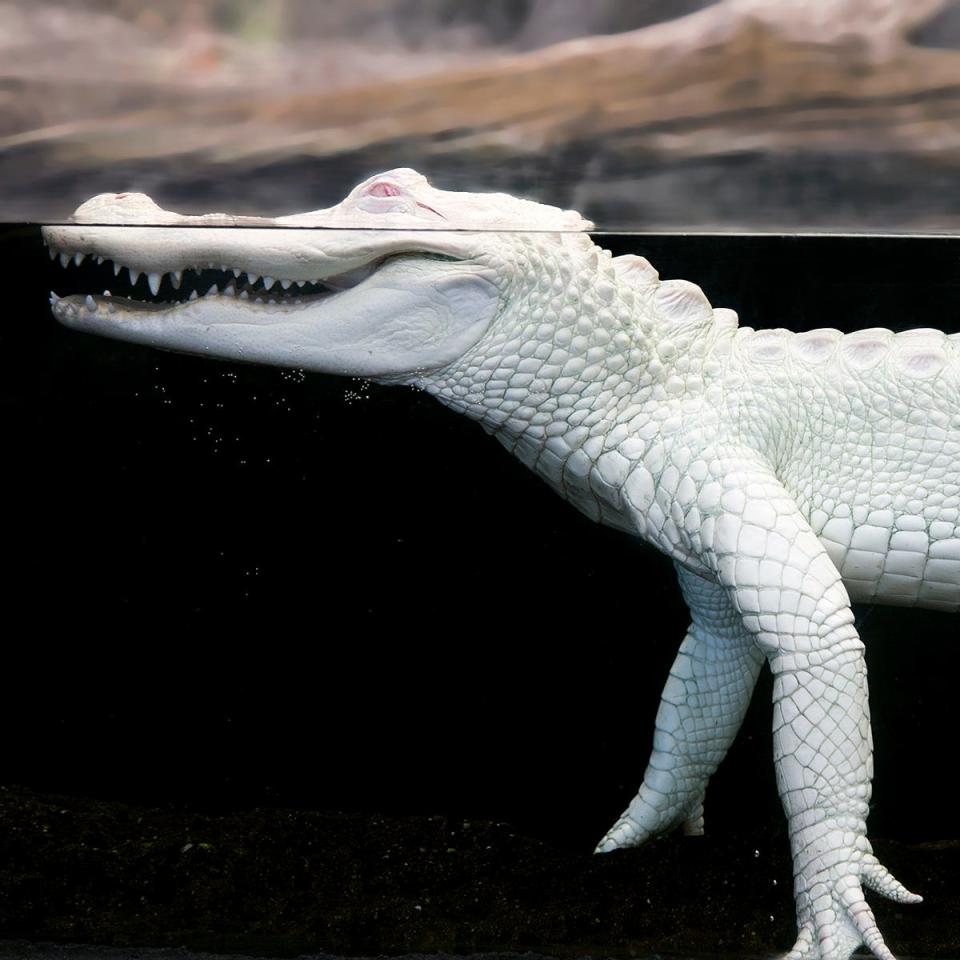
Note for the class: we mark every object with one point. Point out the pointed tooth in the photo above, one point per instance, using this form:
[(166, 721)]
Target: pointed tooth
[(229, 291), (300, 283), (252, 278), (244, 295), (175, 278), (213, 291), (90, 303), (286, 284), (107, 293), (54, 299), (271, 300), (52, 252), (99, 261), (64, 259), (193, 295), (268, 282), (116, 269), (79, 257), (258, 299), (134, 276), (153, 281), (236, 272)]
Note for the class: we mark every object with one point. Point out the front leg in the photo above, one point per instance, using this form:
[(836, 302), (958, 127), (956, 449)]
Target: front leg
[(792, 600), (701, 709)]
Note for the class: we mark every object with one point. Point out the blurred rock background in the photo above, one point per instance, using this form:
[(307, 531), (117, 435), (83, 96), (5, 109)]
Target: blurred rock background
[(738, 115)]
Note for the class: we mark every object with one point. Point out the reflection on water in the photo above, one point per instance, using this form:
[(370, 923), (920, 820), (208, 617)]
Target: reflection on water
[(837, 115)]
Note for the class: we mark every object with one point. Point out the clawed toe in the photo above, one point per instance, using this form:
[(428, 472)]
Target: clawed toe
[(878, 878)]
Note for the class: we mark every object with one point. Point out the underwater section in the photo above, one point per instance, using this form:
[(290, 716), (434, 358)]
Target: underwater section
[(309, 663)]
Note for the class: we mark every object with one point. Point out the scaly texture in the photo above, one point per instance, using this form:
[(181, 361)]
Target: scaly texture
[(782, 473)]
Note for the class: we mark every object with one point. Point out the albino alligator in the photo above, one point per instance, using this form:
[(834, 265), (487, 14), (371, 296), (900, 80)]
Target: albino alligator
[(784, 474)]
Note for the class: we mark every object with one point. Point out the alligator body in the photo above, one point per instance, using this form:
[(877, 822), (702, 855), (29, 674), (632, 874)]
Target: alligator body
[(784, 474)]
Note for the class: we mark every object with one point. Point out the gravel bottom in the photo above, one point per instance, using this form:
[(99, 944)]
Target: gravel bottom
[(287, 883)]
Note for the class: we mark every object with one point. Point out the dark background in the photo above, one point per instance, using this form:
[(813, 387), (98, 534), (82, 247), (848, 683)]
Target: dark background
[(228, 586)]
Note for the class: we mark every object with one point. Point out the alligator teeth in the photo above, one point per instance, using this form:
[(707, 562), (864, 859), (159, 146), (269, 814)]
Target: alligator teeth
[(244, 295), (153, 281), (175, 278), (268, 283), (252, 278), (90, 303), (78, 258), (193, 295), (64, 259), (236, 272), (229, 291), (54, 299), (52, 252), (116, 269), (286, 284), (301, 283), (107, 293), (213, 291), (99, 261), (134, 276)]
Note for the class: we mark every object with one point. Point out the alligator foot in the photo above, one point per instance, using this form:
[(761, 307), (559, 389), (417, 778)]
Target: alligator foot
[(833, 917)]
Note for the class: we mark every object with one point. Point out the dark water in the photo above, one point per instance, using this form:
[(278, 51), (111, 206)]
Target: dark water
[(228, 586)]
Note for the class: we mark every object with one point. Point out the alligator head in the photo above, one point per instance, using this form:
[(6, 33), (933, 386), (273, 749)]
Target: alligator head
[(397, 279)]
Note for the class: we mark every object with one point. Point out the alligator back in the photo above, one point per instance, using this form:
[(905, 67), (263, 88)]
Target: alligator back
[(871, 451)]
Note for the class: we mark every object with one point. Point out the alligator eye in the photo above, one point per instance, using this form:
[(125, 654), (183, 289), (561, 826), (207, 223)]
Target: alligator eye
[(383, 188)]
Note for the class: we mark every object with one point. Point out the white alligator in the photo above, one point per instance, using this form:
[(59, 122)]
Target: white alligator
[(784, 474)]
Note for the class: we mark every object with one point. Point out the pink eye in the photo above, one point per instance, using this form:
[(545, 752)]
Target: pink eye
[(383, 188)]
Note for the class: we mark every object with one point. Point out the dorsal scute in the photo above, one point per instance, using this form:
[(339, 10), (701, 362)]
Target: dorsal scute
[(635, 271), (725, 319), (921, 353), (683, 303), (679, 305), (930, 334), (815, 346)]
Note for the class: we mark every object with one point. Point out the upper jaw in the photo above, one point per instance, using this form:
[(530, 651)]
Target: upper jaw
[(172, 268), (281, 253), (133, 232), (272, 264)]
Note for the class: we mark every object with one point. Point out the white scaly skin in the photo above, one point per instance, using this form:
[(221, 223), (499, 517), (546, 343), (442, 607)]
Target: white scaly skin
[(783, 473)]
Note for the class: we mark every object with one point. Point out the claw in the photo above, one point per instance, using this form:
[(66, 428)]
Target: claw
[(878, 878), (624, 833), (803, 948), (860, 914), (693, 825)]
